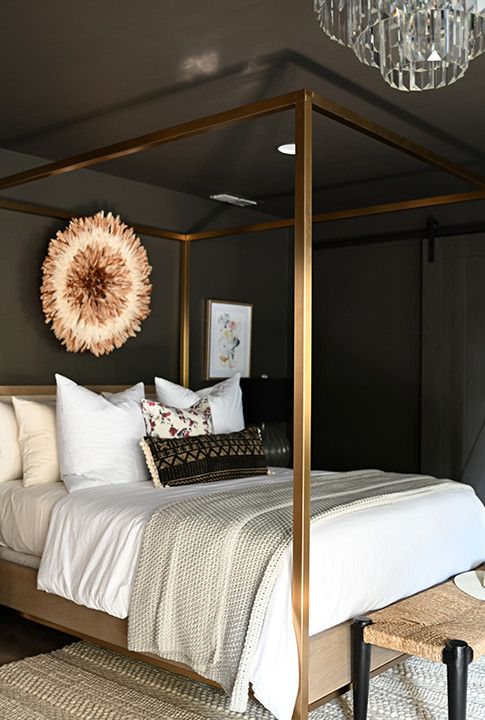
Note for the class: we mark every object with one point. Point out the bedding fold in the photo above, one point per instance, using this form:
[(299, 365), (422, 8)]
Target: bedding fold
[(208, 565)]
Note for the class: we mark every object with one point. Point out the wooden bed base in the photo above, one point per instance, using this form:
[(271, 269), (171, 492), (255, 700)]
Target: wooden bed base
[(329, 650)]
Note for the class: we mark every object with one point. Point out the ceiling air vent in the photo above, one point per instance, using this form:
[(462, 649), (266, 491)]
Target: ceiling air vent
[(233, 200)]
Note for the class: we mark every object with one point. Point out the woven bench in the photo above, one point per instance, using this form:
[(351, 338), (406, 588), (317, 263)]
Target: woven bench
[(441, 624)]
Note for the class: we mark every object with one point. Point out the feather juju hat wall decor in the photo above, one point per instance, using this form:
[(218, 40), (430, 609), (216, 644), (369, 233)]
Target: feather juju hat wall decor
[(95, 290)]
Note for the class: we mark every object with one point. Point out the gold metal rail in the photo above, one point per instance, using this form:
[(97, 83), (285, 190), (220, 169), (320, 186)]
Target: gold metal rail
[(302, 382), (332, 216), (46, 211), (142, 143), (343, 116), (347, 214), (184, 331)]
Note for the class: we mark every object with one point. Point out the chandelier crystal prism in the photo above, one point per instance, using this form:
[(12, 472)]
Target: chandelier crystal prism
[(416, 44)]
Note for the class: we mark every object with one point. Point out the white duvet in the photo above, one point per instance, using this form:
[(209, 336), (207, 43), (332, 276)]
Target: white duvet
[(359, 562)]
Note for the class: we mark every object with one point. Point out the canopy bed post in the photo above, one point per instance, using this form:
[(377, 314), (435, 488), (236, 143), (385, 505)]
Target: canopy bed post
[(302, 392), (184, 330)]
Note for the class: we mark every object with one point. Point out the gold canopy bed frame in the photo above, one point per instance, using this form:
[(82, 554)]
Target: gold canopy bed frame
[(324, 659)]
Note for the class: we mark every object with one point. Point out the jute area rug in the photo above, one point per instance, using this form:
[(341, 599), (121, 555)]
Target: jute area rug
[(86, 683)]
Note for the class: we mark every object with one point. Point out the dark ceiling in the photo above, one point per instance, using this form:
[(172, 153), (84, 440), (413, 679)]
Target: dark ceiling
[(78, 75)]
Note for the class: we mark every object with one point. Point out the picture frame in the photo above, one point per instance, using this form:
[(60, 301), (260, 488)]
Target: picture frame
[(228, 339)]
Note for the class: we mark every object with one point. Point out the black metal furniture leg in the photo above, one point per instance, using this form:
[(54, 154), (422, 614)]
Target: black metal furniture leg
[(361, 652), (457, 655)]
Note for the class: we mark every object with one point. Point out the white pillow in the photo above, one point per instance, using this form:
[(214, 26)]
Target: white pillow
[(10, 457), (225, 400), (99, 438), (38, 440), (137, 393)]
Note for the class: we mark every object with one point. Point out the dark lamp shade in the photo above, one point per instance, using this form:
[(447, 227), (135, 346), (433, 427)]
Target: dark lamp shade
[(267, 400)]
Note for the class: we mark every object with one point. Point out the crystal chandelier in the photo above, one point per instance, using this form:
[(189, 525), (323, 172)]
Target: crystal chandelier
[(416, 44)]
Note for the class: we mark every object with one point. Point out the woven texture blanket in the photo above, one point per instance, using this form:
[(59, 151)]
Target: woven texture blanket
[(208, 565)]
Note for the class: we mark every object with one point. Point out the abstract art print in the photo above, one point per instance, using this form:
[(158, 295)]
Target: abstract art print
[(228, 339)]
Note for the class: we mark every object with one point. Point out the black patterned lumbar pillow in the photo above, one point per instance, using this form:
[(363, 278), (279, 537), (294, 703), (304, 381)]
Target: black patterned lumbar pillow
[(205, 458)]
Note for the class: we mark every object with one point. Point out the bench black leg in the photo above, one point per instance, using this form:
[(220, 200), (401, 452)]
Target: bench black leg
[(457, 655), (361, 652)]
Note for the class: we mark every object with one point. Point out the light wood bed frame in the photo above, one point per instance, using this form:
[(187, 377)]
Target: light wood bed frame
[(323, 659), (329, 661), (18, 590)]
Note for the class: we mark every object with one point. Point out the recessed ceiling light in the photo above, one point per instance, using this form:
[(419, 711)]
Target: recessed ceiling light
[(233, 199), (287, 149)]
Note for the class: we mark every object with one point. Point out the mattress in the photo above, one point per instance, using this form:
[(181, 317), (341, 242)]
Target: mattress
[(358, 563), (25, 514), (31, 561)]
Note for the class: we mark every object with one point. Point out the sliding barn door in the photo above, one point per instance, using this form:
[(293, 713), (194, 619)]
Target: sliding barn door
[(453, 360)]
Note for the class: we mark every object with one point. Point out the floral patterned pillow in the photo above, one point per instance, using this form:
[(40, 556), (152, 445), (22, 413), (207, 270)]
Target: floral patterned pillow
[(167, 422)]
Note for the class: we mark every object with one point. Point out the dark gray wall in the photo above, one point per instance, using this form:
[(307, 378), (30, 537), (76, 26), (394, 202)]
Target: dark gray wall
[(453, 428), (29, 352), (249, 268), (367, 325), (367, 357), (367, 315)]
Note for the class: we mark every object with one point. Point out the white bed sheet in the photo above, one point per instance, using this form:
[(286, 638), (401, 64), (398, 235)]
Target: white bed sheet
[(359, 562), (25, 513)]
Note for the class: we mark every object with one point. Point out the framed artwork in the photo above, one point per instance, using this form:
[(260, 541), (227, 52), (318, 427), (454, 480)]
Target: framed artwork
[(228, 339)]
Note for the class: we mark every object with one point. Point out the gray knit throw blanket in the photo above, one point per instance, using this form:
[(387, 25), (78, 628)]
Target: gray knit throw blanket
[(208, 565)]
